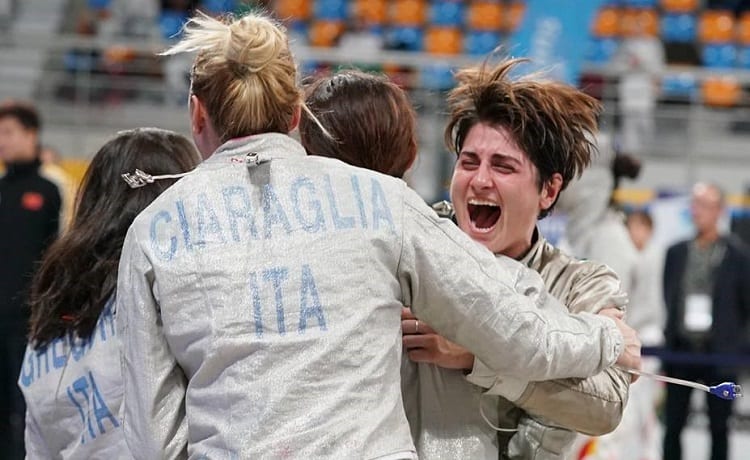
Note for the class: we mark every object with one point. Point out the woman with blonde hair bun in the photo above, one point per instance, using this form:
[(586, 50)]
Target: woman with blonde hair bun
[(259, 298)]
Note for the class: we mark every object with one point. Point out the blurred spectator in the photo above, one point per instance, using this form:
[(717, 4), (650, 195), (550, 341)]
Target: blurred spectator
[(132, 18), (595, 229), (646, 312), (641, 60), (29, 221), (707, 294)]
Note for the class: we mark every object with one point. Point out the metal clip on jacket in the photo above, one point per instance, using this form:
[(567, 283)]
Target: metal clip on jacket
[(139, 178), (727, 390)]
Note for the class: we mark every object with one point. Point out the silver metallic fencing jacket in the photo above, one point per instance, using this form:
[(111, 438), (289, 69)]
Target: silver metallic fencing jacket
[(73, 393), (444, 409), (259, 304), (554, 410)]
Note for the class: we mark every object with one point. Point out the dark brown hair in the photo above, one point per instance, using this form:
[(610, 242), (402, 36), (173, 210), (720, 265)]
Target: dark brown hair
[(24, 113), (369, 121), (78, 274), (552, 122)]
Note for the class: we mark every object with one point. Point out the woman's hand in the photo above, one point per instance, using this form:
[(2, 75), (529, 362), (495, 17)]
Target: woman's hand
[(424, 345)]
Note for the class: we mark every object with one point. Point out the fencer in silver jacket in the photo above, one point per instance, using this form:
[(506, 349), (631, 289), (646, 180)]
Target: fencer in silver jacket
[(538, 420), (259, 305), (73, 391)]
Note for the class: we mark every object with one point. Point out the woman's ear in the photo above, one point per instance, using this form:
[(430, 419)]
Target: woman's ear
[(296, 116), (550, 190), (197, 116)]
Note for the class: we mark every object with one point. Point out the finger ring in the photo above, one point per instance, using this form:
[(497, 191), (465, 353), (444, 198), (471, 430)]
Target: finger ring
[(416, 326)]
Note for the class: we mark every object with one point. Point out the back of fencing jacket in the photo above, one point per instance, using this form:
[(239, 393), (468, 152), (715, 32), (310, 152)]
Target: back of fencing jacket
[(259, 306)]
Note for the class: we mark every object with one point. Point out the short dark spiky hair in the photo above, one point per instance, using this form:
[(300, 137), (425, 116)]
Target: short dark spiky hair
[(552, 122), (25, 114)]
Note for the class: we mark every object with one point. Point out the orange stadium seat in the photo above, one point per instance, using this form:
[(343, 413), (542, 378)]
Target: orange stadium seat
[(721, 91), (515, 16), (443, 40), (716, 26), (298, 10), (679, 6), (639, 22), (325, 33), (485, 15), (743, 29), (607, 23), (408, 12), (371, 11)]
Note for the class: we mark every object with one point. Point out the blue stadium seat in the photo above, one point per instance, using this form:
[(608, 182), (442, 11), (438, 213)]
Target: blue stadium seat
[(743, 57), (680, 86), (171, 22), (405, 38), (331, 10), (601, 50), (678, 27), (437, 77), (639, 3), (218, 6), (447, 13), (719, 56), (99, 4), (480, 42)]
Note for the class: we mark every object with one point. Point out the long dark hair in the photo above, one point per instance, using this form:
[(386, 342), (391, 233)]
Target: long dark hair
[(78, 273)]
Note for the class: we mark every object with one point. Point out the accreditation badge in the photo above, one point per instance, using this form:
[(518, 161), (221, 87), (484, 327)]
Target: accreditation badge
[(698, 313)]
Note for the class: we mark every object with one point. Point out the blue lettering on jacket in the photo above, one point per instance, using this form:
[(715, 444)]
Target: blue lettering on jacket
[(232, 217)]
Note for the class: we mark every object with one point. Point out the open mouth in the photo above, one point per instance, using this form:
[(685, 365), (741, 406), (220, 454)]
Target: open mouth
[(483, 215)]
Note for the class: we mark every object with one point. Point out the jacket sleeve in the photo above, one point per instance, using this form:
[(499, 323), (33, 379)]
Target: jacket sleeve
[(594, 405), (154, 384), (460, 289)]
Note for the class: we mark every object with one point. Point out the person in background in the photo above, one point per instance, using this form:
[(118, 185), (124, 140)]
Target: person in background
[(71, 377), (30, 207), (259, 298), (707, 294), (52, 169), (494, 123)]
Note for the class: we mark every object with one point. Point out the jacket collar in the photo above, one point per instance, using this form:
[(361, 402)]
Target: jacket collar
[(259, 148)]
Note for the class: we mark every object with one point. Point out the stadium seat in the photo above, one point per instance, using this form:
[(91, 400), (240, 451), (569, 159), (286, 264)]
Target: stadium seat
[(217, 7), (743, 29), (443, 40), (606, 23), (171, 22), (635, 22), (408, 12), (514, 16), (679, 6), (481, 42), (404, 38), (681, 86), (639, 3), (485, 15), (331, 10), (371, 12), (716, 26), (325, 33), (719, 56), (678, 27), (600, 50), (437, 77), (722, 91), (294, 10), (99, 4), (447, 13), (743, 57)]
